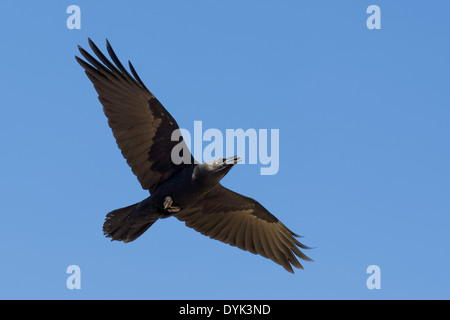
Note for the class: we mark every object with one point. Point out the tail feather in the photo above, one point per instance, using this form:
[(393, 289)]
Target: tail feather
[(118, 225)]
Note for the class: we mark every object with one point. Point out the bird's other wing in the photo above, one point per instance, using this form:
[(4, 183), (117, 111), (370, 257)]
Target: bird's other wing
[(141, 125), (240, 221)]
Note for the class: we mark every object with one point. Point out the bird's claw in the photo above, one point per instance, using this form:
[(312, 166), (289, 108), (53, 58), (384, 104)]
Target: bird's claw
[(168, 205)]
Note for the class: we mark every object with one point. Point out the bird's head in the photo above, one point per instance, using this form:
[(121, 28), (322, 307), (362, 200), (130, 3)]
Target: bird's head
[(215, 170)]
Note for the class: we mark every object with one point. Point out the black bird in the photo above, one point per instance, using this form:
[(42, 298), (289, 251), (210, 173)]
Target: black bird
[(191, 192)]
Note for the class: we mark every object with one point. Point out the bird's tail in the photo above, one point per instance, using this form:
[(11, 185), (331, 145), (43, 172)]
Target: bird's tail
[(118, 225)]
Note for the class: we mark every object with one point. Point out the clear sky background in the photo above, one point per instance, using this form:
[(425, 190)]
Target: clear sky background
[(364, 120)]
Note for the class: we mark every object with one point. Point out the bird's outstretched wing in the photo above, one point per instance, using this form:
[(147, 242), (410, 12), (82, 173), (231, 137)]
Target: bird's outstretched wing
[(240, 221), (141, 125)]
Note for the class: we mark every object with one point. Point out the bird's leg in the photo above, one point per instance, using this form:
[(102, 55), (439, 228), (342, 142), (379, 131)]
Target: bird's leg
[(167, 202), (168, 205)]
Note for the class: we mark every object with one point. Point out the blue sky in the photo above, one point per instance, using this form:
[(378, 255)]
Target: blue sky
[(364, 122)]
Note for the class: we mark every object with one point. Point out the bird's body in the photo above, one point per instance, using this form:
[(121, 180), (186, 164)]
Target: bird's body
[(189, 191), (180, 192)]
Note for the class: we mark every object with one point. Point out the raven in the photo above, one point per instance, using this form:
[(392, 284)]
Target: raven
[(191, 191)]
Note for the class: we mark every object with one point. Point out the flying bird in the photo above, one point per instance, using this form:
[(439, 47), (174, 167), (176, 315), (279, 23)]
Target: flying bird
[(189, 191)]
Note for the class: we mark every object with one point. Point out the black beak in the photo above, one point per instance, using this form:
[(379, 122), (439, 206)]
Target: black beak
[(232, 160), (228, 163)]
